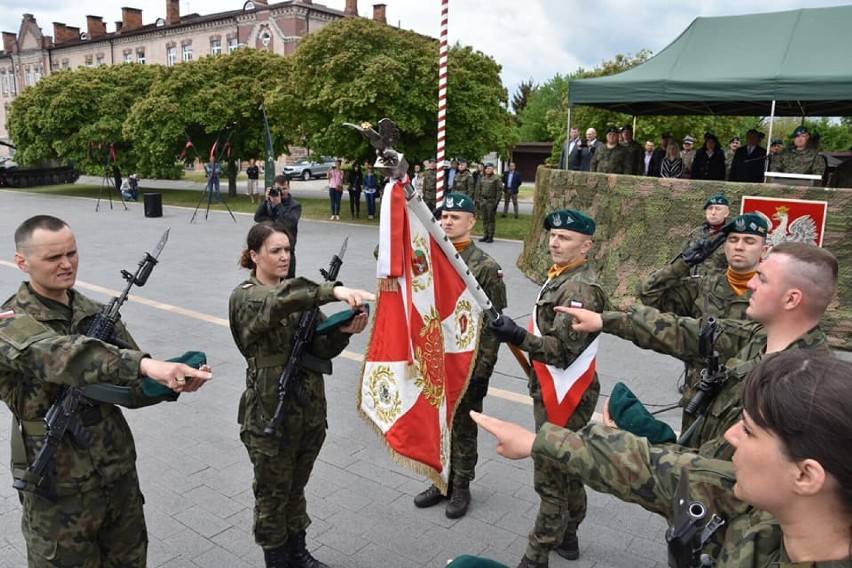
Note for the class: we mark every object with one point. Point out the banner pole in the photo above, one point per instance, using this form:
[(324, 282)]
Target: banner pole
[(442, 106)]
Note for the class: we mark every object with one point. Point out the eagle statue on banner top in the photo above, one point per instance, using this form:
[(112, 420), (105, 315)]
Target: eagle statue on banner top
[(387, 159)]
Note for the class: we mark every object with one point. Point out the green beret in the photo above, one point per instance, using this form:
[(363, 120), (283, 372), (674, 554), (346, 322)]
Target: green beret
[(800, 130), (338, 319), (468, 561), (457, 201), (153, 389), (631, 415), (748, 224), (776, 141), (570, 220), (718, 199)]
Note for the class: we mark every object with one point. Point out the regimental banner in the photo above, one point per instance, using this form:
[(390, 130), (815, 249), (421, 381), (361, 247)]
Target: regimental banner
[(422, 346), (796, 220)]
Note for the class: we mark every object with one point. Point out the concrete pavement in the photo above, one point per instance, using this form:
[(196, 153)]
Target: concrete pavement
[(196, 475)]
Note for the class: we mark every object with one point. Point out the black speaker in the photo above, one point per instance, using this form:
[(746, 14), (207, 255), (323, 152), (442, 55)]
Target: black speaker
[(153, 205)]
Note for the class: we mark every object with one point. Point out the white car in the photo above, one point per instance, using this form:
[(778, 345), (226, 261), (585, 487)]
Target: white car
[(308, 169)]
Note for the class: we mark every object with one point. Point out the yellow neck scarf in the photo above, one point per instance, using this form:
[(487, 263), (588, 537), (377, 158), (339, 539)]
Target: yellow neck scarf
[(739, 281), (556, 270)]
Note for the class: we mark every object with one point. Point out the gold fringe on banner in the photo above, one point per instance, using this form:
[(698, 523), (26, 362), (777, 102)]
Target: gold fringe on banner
[(388, 285)]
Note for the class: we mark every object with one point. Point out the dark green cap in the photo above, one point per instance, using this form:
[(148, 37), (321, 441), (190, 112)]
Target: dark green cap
[(338, 319), (457, 201), (153, 389), (748, 224), (570, 220), (776, 141), (631, 415), (800, 130), (718, 199)]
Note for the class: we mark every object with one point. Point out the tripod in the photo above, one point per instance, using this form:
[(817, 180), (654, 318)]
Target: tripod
[(106, 184), (210, 189)]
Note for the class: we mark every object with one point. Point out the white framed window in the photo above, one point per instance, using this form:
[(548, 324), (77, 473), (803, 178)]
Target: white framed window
[(140, 55), (4, 81), (28, 78), (37, 74), (233, 44), (99, 60), (66, 64), (171, 55), (54, 66), (215, 47), (89, 61), (187, 52), (128, 56)]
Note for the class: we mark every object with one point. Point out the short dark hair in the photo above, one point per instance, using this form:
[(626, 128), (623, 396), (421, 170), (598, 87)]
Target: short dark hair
[(803, 396), (815, 270), (25, 230), (281, 179)]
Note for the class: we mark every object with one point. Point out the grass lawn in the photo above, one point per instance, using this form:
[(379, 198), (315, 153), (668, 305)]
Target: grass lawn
[(317, 209)]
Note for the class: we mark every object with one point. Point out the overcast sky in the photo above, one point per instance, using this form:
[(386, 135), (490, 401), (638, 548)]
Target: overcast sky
[(531, 39)]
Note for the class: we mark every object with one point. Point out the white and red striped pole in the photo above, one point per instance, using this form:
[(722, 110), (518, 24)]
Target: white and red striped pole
[(442, 106)]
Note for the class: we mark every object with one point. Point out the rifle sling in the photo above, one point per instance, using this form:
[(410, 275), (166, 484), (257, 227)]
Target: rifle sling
[(309, 361), (110, 394)]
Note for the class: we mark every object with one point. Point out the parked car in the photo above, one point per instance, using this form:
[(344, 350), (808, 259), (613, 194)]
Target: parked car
[(308, 169)]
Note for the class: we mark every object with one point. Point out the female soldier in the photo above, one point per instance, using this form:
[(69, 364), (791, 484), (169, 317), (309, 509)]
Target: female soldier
[(264, 313), (790, 503)]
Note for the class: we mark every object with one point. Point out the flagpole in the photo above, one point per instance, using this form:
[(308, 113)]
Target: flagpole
[(442, 106)]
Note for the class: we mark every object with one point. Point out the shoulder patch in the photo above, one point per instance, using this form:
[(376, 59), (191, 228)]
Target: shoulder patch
[(499, 273), (247, 285)]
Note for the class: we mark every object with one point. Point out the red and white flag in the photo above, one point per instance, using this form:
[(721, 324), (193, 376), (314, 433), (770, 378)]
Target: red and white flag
[(563, 389), (423, 343)]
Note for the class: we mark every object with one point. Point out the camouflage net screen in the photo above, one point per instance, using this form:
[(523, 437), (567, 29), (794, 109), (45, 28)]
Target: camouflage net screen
[(642, 223)]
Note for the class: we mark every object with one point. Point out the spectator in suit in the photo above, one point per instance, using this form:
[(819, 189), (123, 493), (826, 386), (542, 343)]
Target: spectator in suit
[(589, 149), (649, 155), (749, 161), (571, 151), (709, 160), (512, 180), (659, 155)]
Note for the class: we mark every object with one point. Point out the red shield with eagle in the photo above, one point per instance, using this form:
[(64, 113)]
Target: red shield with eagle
[(796, 220)]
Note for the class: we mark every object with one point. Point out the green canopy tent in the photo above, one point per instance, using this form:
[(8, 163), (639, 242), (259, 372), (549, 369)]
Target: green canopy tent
[(794, 63)]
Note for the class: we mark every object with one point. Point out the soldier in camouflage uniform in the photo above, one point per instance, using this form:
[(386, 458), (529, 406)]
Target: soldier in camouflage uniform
[(98, 518), (553, 346), (795, 413), (487, 197), (716, 211), (801, 158), (463, 182), (457, 219), (264, 314), (688, 155), (723, 296), (790, 292), (429, 183), (611, 158), (634, 162)]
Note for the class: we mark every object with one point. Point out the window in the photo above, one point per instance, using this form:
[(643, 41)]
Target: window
[(4, 80), (28, 80), (100, 60), (187, 52), (66, 64), (89, 60), (140, 55), (54, 66), (215, 46), (13, 81), (37, 74), (171, 55), (233, 44), (128, 56)]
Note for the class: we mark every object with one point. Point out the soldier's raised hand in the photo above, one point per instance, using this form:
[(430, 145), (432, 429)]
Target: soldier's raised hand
[(177, 376), (352, 296), (513, 441)]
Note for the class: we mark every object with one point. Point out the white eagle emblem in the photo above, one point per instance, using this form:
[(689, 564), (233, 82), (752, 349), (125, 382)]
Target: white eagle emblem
[(802, 229)]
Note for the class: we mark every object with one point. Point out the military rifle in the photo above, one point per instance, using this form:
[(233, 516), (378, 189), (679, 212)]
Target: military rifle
[(712, 375), (689, 533), (39, 477), (301, 341)]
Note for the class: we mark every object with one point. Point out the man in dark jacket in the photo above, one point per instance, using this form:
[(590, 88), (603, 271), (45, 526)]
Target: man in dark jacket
[(749, 162), (280, 206)]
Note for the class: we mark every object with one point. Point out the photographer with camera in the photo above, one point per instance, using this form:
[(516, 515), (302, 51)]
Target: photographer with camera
[(789, 294), (279, 206)]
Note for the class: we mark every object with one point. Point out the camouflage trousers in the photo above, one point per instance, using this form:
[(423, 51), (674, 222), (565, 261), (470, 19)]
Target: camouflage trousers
[(101, 528), (282, 467), (563, 497), (464, 455), (488, 210)]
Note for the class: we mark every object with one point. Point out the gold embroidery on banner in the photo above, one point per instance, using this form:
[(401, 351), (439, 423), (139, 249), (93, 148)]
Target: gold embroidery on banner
[(421, 264), (465, 324), (384, 394), (430, 359)]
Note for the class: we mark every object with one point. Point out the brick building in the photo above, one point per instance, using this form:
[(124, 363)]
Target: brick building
[(30, 55)]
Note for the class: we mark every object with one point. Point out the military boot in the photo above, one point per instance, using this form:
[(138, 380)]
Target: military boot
[(428, 498), (459, 500), (527, 563), (299, 555), (569, 548), (277, 557)]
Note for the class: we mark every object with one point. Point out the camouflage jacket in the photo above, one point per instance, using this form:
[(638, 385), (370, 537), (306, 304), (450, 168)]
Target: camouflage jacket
[(741, 346), (29, 388), (488, 188), (463, 182), (610, 160), (688, 156), (717, 263), (559, 345), (429, 184), (634, 161), (490, 276), (792, 161), (630, 468), (263, 321)]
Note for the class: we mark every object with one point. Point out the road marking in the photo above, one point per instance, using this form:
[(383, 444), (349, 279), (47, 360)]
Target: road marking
[(201, 316)]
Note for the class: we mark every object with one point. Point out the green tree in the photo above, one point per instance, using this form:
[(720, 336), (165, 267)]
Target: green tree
[(357, 70), (533, 117), (208, 100), (522, 96)]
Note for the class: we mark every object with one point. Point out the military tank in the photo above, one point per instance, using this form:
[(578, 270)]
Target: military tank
[(12, 175)]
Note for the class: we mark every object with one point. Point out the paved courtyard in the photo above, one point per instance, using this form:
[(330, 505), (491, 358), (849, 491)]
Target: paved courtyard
[(196, 475)]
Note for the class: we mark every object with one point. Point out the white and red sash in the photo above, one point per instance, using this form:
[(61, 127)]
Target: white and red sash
[(563, 389)]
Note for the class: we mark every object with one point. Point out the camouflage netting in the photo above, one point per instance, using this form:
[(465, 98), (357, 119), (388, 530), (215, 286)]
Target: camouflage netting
[(643, 223)]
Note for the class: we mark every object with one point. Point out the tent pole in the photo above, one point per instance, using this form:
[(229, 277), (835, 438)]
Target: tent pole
[(634, 124), (568, 124), (769, 146)]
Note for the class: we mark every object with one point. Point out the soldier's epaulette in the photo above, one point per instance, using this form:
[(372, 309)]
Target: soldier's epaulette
[(247, 285)]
